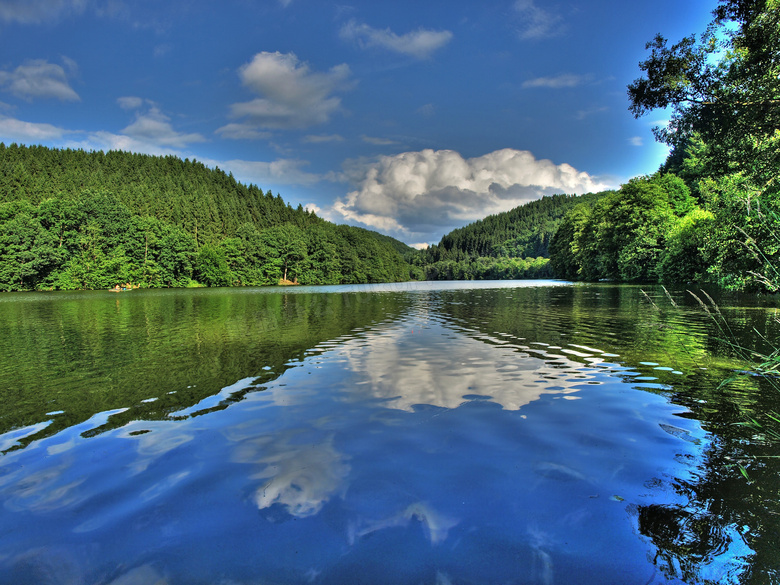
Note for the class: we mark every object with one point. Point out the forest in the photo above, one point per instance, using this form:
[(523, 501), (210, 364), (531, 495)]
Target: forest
[(711, 214), (509, 245), (71, 219)]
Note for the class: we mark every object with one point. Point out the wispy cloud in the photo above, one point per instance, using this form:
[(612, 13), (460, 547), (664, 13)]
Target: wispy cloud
[(130, 102), (162, 50), (558, 82), (426, 110), (278, 172), (152, 126), (291, 94), (38, 11), (420, 43), (40, 79), (242, 132), (636, 141), (13, 130), (416, 194), (320, 138), (105, 141), (376, 141), (582, 114), (537, 23)]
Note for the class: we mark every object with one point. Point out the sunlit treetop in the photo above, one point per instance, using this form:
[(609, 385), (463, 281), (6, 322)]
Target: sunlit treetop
[(723, 87)]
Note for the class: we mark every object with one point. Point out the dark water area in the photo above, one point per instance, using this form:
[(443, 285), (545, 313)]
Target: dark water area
[(442, 433)]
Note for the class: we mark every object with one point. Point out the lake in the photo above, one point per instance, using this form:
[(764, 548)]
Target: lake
[(440, 433)]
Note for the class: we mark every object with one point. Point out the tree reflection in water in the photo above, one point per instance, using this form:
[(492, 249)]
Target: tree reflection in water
[(720, 526), (688, 541), (545, 435)]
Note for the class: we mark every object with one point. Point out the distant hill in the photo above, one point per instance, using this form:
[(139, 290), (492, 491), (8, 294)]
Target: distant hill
[(398, 245), (184, 192), (512, 244), (71, 219), (522, 232)]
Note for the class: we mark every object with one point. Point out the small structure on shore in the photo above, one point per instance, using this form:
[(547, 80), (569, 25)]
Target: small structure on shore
[(124, 287)]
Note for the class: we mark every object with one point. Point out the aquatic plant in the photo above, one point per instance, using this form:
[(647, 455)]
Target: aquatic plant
[(763, 365)]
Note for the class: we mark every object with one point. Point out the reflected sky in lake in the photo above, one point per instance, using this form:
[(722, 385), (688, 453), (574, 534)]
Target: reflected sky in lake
[(422, 447)]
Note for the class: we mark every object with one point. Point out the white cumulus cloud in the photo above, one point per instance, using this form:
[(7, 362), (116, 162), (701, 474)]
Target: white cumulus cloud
[(420, 43), (151, 132), (419, 196), (291, 94), (38, 78)]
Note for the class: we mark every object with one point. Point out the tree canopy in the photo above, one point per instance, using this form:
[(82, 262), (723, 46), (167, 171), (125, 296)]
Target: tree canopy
[(712, 212), (723, 87), (71, 219), (512, 244)]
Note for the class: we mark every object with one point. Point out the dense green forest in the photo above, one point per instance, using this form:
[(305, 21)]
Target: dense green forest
[(71, 219), (513, 244), (712, 212)]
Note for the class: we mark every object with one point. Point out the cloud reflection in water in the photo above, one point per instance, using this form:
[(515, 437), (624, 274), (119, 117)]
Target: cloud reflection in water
[(439, 368), (397, 367), (300, 477)]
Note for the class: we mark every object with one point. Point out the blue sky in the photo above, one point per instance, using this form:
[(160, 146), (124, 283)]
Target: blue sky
[(407, 117)]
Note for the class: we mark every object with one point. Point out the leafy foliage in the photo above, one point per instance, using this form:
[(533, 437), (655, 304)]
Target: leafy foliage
[(509, 245), (725, 88), (623, 235), (74, 220), (719, 219)]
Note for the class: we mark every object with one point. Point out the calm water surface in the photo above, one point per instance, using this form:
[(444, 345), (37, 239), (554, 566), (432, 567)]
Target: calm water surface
[(442, 433)]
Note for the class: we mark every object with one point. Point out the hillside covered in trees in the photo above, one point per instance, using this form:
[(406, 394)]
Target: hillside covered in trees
[(513, 244), (712, 212), (71, 219)]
